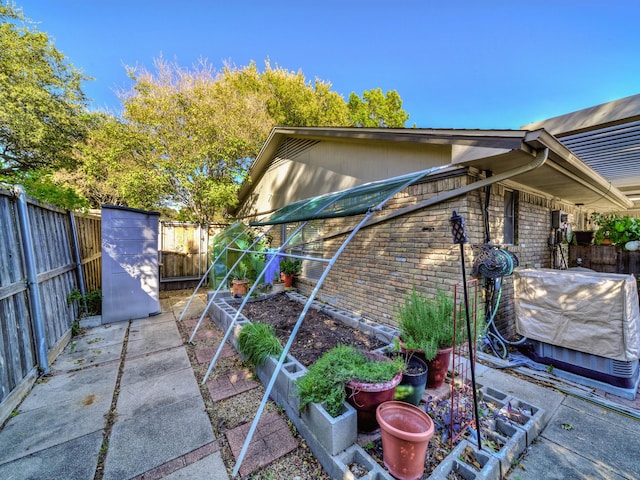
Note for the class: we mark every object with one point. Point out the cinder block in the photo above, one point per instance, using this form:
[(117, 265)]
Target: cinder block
[(524, 415), (513, 440), (356, 454), (334, 433), (455, 463)]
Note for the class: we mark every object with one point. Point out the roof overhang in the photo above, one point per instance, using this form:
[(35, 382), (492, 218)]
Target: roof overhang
[(563, 176), (606, 137)]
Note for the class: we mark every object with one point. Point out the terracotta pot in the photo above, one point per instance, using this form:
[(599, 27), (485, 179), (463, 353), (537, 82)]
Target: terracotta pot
[(438, 368), (405, 430), (288, 279), (239, 287), (365, 398)]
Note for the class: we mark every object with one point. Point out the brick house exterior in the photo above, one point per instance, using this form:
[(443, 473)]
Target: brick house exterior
[(415, 250)]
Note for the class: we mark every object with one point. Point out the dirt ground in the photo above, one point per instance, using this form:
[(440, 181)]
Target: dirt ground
[(318, 331)]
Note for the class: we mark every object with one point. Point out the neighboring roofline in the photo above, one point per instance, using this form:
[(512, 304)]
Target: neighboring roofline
[(623, 110)]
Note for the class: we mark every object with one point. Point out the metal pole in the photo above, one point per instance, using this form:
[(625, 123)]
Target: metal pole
[(32, 280), (460, 237)]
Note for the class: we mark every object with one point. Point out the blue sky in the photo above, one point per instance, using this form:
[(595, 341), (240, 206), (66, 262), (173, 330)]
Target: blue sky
[(455, 64)]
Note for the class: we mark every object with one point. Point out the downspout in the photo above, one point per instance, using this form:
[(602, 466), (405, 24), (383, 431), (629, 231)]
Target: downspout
[(32, 280)]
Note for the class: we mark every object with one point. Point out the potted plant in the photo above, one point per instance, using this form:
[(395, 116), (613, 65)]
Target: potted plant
[(346, 374), (615, 230), (426, 328), (239, 281), (277, 284), (414, 378), (288, 268)]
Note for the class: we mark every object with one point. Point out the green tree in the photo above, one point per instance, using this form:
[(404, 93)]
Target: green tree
[(115, 166), (201, 131), (41, 101), (376, 109), (290, 99)]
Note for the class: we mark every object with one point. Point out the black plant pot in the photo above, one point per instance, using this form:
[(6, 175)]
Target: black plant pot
[(414, 380)]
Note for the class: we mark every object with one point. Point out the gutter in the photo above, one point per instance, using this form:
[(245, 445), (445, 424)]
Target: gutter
[(577, 171)]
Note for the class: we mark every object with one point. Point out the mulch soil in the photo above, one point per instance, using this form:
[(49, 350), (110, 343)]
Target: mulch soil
[(318, 332)]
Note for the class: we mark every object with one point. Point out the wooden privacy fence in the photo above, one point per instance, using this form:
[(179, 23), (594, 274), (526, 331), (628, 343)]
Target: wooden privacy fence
[(184, 252), (39, 267)]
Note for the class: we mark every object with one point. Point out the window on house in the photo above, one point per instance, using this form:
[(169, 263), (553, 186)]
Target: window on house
[(510, 217), (313, 229)]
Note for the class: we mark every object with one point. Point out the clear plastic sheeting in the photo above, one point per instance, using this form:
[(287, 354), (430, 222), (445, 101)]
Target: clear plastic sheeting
[(344, 203), (591, 312)]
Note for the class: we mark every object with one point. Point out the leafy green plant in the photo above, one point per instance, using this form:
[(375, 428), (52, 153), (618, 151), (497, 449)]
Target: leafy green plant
[(326, 379), (617, 229), (257, 341), (427, 324), (291, 266), (92, 301)]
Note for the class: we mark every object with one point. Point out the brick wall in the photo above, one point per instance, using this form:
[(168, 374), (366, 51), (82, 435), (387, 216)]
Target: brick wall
[(384, 262)]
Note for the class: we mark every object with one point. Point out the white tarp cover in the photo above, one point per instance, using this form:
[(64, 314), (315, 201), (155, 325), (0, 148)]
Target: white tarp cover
[(590, 312)]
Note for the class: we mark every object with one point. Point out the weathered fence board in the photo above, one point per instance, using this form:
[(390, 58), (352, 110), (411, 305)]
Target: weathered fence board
[(50, 230), (184, 250), (90, 242)]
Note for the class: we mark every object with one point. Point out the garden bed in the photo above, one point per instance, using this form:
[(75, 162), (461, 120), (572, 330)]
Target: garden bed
[(319, 332)]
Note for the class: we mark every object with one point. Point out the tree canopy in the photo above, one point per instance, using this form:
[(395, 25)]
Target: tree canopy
[(186, 137), (202, 128), (42, 105)]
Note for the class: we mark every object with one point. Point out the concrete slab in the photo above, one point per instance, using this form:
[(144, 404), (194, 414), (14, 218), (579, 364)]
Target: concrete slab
[(143, 397), (87, 385), (104, 335), (152, 337), (43, 428), (209, 468), (549, 461), (156, 365), (592, 435), (95, 354), (73, 460), (143, 442)]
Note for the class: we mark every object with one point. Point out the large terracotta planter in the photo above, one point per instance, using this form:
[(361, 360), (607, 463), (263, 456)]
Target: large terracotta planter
[(365, 398), (438, 368), (405, 431)]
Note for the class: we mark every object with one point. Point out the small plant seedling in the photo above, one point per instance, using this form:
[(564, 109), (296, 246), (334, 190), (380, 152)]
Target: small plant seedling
[(567, 426), (549, 369)]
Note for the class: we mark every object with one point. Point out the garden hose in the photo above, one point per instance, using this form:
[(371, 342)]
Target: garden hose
[(495, 263)]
